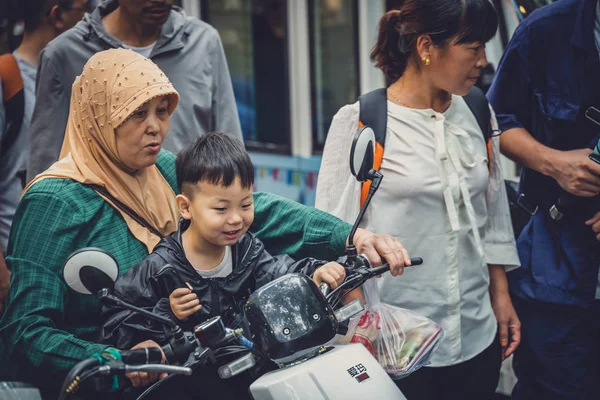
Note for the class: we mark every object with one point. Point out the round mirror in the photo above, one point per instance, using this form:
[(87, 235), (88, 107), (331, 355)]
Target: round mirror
[(89, 270), (362, 153)]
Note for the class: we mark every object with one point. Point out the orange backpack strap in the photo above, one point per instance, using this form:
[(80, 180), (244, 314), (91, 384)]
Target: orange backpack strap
[(13, 100), (489, 153), (10, 74)]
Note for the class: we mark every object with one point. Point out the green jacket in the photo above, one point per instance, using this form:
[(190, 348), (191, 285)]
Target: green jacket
[(47, 327)]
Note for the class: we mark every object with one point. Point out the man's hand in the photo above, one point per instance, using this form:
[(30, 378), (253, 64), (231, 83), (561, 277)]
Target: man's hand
[(594, 222), (141, 379), (331, 273), (184, 303), (386, 246), (576, 173), (4, 282)]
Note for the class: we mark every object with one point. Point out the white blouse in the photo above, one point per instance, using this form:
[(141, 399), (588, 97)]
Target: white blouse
[(438, 198)]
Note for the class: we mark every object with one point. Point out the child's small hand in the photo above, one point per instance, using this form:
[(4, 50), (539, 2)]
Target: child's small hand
[(184, 303), (331, 273)]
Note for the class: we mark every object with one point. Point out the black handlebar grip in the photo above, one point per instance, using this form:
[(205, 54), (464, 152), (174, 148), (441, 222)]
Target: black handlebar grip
[(386, 267), (416, 261), (148, 355), (413, 261), (379, 270)]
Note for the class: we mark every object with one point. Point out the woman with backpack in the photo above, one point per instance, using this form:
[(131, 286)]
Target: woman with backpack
[(442, 194)]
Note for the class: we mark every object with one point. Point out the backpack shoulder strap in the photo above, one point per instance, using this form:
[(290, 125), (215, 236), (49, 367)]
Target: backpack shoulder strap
[(13, 100), (479, 106), (373, 113)]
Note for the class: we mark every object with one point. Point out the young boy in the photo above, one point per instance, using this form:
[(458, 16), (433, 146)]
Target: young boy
[(212, 263)]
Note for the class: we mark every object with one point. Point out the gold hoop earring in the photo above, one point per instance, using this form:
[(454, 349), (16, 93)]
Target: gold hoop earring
[(426, 60)]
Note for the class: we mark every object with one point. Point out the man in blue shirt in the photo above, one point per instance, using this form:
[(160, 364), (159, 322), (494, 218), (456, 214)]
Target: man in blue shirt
[(547, 79)]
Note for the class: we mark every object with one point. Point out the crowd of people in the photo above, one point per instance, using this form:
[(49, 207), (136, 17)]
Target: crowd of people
[(119, 130)]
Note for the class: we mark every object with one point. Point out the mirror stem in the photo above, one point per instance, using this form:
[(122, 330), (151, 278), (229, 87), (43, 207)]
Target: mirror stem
[(375, 177), (108, 298)]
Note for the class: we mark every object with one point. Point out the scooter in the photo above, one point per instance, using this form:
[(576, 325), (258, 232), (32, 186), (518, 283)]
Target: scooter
[(291, 321)]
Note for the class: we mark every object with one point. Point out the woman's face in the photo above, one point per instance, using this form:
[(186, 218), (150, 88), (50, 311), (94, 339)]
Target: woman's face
[(139, 139), (455, 68)]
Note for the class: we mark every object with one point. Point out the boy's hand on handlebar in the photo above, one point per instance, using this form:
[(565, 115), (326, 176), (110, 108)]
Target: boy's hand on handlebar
[(376, 246), (331, 273), (141, 379), (184, 303)]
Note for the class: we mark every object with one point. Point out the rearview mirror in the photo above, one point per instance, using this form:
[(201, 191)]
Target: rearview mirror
[(89, 270), (362, 153), (362, 158)]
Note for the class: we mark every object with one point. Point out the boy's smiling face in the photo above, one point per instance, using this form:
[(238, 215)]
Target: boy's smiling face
[(219, 215)]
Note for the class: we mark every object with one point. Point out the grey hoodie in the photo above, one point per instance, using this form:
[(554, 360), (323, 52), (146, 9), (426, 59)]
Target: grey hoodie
[(188, 50)]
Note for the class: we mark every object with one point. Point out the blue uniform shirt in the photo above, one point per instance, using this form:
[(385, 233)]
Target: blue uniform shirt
[(548, 76)]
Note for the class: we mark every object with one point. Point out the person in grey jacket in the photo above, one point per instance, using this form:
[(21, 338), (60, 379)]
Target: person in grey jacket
[(188, 50)]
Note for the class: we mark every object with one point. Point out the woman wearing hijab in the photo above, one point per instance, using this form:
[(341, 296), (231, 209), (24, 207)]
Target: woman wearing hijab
[(115, 189)]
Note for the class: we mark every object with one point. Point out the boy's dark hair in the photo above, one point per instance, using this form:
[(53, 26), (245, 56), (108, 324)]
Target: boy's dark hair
[(216, 158), (466, 21)]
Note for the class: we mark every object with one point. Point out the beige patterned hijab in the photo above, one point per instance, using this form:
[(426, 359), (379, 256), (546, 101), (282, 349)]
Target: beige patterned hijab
[(113, 84)]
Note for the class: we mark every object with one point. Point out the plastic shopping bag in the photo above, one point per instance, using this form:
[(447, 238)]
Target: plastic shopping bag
[(400, 340)]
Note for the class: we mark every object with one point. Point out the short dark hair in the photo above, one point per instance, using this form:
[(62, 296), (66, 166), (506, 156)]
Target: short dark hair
[(216, 158), (32, 12), (466, 21)]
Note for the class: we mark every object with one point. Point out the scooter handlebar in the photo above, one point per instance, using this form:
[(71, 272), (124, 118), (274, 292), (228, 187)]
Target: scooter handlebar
[(159, 368), (386, 267), (325, 289)]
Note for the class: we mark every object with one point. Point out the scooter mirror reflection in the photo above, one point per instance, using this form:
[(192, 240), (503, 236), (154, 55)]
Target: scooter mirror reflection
[(89, 270), (362, 153)]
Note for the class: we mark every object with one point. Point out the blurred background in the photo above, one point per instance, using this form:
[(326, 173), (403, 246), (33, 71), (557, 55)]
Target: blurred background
[(293, 64)]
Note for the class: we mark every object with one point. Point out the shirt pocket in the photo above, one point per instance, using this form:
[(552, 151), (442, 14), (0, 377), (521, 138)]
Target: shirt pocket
[(557, 118)]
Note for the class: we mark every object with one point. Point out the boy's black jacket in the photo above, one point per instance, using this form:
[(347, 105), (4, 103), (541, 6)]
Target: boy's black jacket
[(149, 284)]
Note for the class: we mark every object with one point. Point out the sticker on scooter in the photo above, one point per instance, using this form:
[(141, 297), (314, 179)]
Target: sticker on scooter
[(358, 372)]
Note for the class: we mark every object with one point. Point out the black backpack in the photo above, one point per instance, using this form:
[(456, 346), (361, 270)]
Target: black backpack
[(373, 113)]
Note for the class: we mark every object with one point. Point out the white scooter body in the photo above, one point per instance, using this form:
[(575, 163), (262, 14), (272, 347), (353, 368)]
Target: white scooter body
[(347, 372)]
